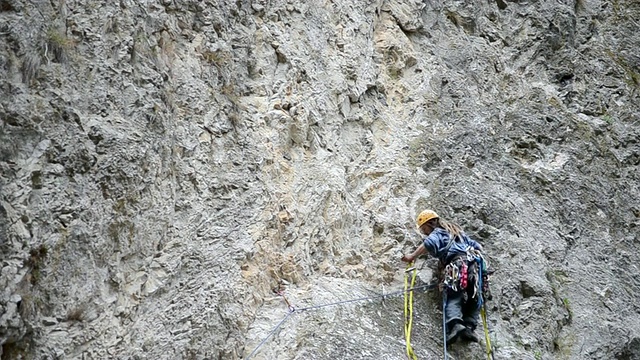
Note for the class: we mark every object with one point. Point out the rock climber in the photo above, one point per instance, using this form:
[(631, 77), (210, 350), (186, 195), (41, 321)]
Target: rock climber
[(456, 252)]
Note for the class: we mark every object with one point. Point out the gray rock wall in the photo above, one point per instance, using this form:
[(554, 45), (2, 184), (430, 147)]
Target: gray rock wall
[(167, 166)]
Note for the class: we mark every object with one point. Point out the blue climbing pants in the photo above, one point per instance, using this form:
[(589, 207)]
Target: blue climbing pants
[(459, 311)]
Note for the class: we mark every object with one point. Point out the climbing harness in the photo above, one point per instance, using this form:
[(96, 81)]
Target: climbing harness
[(408, 308), (462, 273)]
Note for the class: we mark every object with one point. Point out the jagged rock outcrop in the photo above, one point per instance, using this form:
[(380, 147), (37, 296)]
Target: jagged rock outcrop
[(166, 166)]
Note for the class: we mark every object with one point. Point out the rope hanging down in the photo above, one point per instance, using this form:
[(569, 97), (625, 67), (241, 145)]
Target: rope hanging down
[(483, 312), (444, 323), (293, 310), (487, 338), (408, 308)]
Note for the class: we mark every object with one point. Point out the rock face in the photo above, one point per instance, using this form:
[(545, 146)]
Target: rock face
[(165, 166)]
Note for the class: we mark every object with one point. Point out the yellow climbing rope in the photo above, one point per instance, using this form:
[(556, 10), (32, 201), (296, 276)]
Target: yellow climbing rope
[(408, 308), (487, 338)]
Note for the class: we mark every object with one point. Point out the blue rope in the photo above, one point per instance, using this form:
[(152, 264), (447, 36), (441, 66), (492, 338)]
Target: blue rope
[(294, 310), (444, 321), (480, 294), (268, 336), (426, 286)]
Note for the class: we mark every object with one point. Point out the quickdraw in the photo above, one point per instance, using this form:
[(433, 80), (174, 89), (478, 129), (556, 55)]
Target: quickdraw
[(464, 275), (291, 307)]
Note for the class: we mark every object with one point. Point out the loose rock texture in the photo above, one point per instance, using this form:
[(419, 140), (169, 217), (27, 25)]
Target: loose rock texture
[(166, 166)]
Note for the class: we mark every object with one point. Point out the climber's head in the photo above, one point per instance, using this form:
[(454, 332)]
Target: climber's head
[(427, 221)]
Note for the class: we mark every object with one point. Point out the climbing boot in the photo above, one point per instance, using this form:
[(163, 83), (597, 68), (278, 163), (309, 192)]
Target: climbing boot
[(456, 330), (468, 335)]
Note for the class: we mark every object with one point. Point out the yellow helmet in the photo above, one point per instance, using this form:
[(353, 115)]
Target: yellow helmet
[(425, 216)]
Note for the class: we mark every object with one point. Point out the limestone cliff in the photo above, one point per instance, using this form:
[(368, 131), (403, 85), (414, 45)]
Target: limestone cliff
[(166, 165)]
